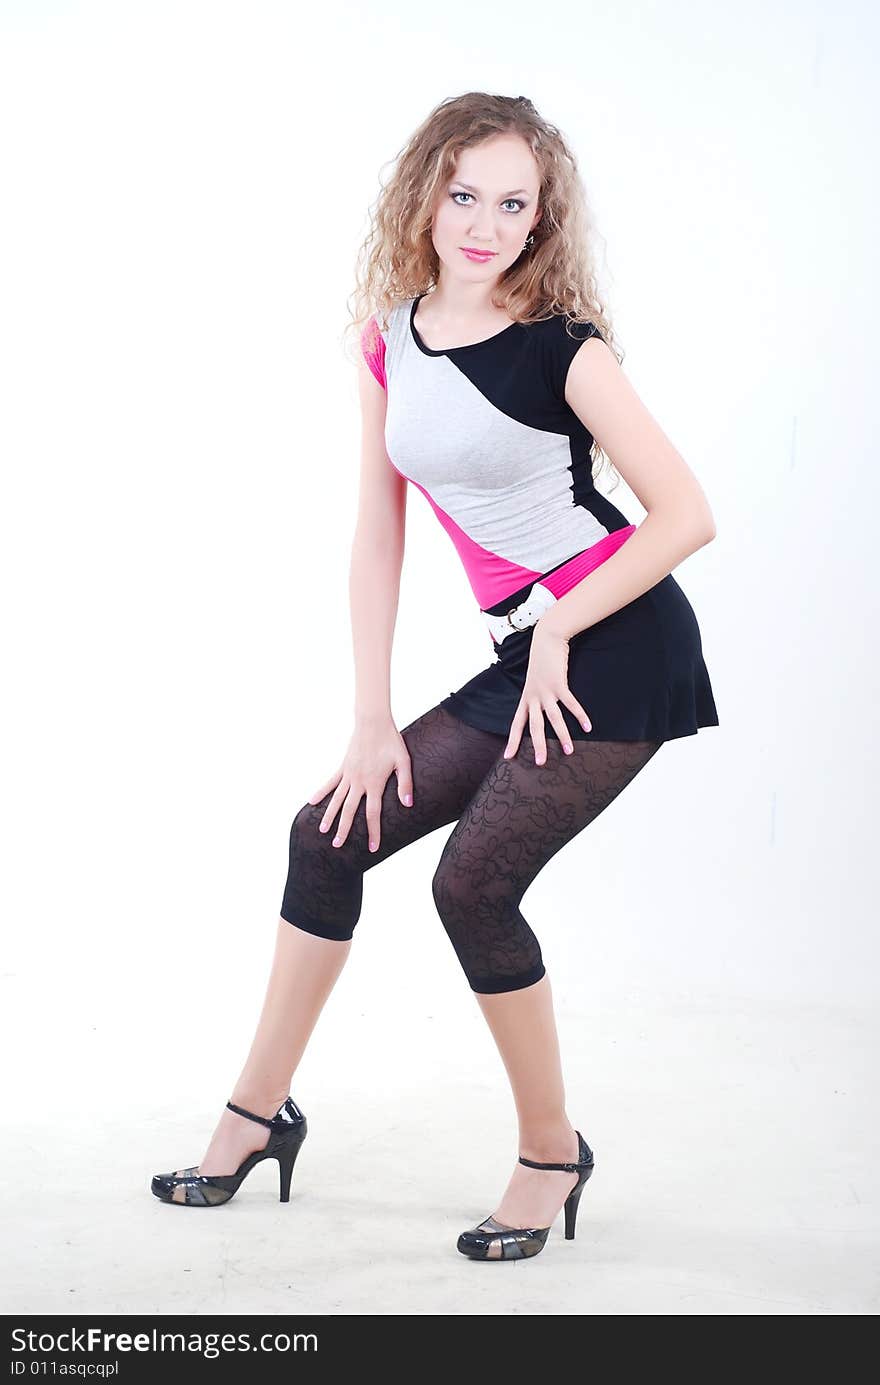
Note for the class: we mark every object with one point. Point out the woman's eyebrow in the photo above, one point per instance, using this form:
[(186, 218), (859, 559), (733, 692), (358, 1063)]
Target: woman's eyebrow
[(468, 188)]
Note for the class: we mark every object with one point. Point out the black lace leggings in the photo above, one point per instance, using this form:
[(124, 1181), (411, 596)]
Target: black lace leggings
[(511, 816)]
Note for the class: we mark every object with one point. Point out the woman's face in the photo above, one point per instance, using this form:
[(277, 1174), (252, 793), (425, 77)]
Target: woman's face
[(490, 204)]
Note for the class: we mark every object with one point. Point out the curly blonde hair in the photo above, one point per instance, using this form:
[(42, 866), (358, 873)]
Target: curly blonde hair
[(397, 260)]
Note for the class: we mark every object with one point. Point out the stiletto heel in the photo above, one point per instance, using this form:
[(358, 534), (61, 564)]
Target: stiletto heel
[(492, 1240), (571, 1207), (190, 1188), (286, 1161)]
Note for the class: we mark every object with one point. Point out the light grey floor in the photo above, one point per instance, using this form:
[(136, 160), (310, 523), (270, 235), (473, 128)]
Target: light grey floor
[(736, 1173)]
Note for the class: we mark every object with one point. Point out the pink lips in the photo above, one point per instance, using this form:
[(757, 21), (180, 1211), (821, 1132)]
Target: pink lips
[(480, 255)]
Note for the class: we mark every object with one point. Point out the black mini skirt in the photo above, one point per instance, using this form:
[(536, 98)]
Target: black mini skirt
[(639, 674)]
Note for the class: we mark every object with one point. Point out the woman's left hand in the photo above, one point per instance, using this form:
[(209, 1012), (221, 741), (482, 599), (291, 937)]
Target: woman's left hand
[(546, 686)]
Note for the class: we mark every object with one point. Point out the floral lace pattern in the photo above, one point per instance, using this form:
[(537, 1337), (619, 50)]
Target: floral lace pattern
[(511, 817)]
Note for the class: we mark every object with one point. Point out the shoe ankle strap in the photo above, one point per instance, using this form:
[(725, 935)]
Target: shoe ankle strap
[(287, 1115), (574, 1166), (566, 1168), (251, 1115)]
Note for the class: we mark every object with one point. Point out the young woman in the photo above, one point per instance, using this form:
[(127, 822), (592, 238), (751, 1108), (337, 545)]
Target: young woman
[(487, 380)]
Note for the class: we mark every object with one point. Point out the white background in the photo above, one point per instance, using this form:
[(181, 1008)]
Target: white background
[(185, 186)]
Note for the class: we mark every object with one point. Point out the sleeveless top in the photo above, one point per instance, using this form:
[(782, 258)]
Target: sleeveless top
[(485, 433)]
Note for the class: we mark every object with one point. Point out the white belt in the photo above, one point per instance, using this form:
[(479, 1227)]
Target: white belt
[(539, 600)]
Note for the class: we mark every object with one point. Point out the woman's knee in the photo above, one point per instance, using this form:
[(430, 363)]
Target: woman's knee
[(453, 890), (478, 905), (475, 900), (323, 893)]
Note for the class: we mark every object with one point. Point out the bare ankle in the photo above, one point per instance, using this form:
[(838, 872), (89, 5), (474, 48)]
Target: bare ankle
[(551, 1142)]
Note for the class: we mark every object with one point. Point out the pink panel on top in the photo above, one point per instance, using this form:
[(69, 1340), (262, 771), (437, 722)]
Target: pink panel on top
[(572, 572), (373, 348)]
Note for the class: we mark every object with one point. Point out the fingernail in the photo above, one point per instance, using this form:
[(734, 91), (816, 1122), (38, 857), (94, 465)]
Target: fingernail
[(586, 725), (567, 749), (337, 841), (372, 846), (407, 798), (323, 827), (507, 754)]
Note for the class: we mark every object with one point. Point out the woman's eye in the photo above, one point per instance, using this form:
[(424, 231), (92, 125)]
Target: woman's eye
[(508, 200)]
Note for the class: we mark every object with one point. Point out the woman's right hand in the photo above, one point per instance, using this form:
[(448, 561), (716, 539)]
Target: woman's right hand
[(376, 751)]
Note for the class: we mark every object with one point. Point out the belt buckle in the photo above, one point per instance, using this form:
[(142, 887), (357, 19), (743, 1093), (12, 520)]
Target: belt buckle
[(510, 614), (507, 624)]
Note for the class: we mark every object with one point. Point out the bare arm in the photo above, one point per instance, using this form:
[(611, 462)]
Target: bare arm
[(678, 521), (377, 749), (376, 558)]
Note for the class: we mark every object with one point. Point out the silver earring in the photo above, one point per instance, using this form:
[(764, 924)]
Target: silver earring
[(529, 242)]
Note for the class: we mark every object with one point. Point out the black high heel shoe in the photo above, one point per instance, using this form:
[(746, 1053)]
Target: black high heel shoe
[(192, 1189), (492, 1240)]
